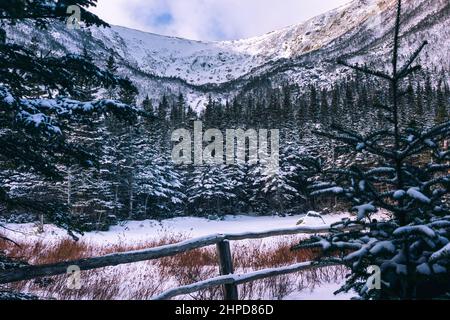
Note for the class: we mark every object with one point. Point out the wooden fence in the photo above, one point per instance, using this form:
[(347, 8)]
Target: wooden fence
[(228, 279)]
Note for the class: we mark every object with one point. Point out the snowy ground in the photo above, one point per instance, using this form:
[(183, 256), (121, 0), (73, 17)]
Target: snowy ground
[(323, 292), (187, 227)]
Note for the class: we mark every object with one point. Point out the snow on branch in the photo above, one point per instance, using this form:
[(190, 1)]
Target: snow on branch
[(334, 190), (426, 139), (65, 106), (365, 210), (414, 230), (444, 253), (41, 113), (360, 142), (417, 195)]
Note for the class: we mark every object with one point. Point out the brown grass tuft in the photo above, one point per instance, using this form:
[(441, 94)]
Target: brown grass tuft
[(140, 281)]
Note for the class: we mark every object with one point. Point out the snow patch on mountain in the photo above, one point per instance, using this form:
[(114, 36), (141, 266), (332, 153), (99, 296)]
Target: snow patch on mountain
[(300, 54)]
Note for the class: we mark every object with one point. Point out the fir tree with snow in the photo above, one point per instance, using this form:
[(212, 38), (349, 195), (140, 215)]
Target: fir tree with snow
[(36, 132), (410, 181)]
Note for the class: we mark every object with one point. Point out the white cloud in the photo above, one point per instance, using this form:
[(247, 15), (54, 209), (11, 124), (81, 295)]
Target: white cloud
[(211, 19)]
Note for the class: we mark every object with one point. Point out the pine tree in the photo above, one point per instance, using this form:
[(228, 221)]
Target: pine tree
[(441, 107), (313, 103), (163, 108), (335, 105), (236, 174), (412, 247), (279, 187), (209, 190), (86, 88), (349, 102), (147, 105), (2, 36), (41, 12), (34, 131), (287, 103), (111, 87), (181, 108), (111, 64), (159, 183), (324, 107), (128, 93), (419, 101)]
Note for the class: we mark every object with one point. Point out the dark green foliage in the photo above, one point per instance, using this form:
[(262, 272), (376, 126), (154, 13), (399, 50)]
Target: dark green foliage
[(117, 165), (38, 110), (411, 246), (44, 11)]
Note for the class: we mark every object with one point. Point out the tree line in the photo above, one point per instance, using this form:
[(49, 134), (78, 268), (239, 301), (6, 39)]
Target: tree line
[(135, 178)]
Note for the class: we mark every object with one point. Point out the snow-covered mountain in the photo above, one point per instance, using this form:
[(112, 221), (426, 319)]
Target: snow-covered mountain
[(303, 53)]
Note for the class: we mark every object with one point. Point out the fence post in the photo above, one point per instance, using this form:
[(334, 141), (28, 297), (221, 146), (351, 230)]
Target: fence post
[(226, 268)]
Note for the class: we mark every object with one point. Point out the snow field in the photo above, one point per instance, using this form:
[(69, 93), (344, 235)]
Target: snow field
[(146, 279)]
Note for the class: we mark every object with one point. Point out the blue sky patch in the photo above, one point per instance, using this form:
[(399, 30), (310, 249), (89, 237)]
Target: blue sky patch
[(163, 19)]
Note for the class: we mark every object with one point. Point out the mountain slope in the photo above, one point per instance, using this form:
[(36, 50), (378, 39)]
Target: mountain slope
[(303, 53)]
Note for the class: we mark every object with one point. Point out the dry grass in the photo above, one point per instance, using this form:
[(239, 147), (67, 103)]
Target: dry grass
[(143, 280)]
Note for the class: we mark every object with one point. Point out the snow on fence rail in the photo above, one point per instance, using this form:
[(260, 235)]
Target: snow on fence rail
[(237, 279), (228, 279)]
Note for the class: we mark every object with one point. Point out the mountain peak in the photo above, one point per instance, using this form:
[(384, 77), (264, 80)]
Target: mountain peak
[(301, 53)]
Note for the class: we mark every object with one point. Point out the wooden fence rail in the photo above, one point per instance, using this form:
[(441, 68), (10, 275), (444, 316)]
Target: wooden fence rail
[(237, 279), (228, 279)]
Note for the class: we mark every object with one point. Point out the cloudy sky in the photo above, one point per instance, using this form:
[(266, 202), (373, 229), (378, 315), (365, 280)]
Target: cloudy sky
[(211, 19)]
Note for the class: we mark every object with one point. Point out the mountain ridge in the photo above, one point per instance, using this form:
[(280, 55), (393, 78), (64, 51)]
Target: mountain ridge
[(301, 54)]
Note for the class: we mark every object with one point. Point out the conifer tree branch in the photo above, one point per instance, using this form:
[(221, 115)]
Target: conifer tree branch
[(366, 70), (413, 58)]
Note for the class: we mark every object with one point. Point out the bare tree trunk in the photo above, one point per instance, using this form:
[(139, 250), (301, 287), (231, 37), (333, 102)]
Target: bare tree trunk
[(402, 216)]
